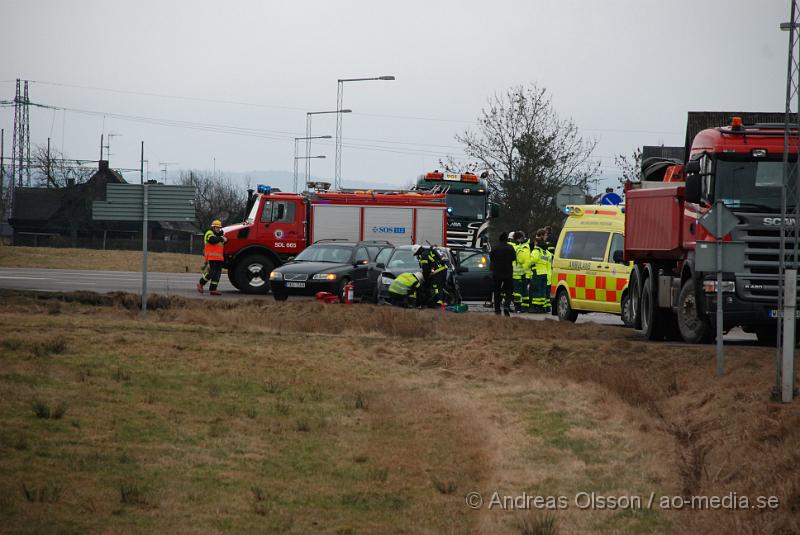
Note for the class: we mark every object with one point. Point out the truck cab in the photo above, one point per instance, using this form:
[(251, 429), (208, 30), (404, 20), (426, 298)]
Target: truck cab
[(468, 206), (742, 166), (273, 231)]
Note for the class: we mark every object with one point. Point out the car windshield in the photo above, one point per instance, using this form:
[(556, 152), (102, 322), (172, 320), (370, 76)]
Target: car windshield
[(471, 206), (403, 260), (325, 253), (750, 186)]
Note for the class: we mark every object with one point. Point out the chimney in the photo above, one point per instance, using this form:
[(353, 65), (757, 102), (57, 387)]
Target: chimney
[(103, 165)]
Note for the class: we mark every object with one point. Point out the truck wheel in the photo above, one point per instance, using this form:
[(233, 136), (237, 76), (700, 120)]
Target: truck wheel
[(252, 273), (636, 301), (234, 281), (565, 312), (626, 309), (694, 327), (653, 319)]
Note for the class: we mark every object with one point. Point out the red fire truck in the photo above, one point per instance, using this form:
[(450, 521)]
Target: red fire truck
[(280, 225), (740, 164)]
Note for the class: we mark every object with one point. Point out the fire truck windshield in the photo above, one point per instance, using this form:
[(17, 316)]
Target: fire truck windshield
[(750, 185), (466, 206)]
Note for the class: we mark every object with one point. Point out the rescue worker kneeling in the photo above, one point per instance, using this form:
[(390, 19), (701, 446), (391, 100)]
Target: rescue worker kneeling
[(403, 290), (434, 273)]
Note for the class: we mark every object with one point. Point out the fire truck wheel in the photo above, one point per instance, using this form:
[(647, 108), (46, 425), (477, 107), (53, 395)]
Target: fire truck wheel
[(342, 284), (694, 327), (654, 320), (252, 272), (626, 309), (565, 312), (234, 281)]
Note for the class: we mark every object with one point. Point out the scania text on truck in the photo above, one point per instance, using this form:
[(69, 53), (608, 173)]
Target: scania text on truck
[(280, 225), (468, 206), (740, 164)]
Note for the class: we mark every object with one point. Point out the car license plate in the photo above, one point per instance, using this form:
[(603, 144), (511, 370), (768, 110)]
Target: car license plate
[(295, 284), (774, 313)]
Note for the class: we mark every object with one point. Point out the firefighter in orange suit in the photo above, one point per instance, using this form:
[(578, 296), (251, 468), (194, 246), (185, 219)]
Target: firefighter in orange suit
[(214, 241)]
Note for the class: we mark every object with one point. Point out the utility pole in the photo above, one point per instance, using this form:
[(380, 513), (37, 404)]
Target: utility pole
[(141, 166), (164, 170), (49, 176), (27, 140), (787, 275), (2, 176), (21, 139)]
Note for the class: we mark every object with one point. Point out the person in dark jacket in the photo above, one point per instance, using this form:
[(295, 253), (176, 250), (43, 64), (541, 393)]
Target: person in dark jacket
[(502, 257)]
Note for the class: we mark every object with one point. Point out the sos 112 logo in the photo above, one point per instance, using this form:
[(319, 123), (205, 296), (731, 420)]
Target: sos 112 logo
[(389, 230)]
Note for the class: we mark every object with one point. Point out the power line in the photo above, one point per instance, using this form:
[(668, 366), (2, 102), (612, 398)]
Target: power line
[(305, 109)]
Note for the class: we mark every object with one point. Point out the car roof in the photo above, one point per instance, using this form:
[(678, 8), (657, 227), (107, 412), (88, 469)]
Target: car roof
[(351, 243)]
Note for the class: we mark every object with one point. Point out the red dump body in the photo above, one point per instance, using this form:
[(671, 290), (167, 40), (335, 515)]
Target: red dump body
[(653, 223)]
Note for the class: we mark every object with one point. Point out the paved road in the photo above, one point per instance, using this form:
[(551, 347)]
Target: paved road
[(183, 284), (69, 280)]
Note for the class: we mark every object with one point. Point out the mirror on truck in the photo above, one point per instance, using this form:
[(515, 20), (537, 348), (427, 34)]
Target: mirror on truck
[(618, 257), (693, 167), (694, 187), (494, 210)]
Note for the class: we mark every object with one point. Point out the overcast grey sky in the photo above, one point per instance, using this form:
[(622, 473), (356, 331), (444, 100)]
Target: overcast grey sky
[(626, 71)]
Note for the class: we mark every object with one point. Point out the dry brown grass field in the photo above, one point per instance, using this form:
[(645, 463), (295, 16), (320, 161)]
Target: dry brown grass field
[(254, 416), (55, 258)]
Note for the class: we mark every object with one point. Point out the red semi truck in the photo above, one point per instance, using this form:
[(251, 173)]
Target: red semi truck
[(280, 225), (741, 164)]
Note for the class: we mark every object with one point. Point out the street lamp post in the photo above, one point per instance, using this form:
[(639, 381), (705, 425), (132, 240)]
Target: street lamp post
[(307, 156), (309, 136), (307, 159), (339, 95)]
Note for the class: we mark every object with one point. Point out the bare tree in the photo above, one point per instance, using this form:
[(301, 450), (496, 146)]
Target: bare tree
[(53, 169), (530, 154), (216, 198), (629, 166)]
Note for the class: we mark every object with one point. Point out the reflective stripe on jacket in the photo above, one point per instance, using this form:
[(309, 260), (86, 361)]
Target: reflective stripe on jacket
[(431, 263), (212, 251), (404, 284), (522, 264), (541, 260)]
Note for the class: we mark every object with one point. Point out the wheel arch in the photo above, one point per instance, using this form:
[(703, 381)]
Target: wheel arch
[(255, 249)]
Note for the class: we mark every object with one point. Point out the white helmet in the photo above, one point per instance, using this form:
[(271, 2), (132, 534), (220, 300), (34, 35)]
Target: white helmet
[(510, 236), (418, 275), (415, 249)]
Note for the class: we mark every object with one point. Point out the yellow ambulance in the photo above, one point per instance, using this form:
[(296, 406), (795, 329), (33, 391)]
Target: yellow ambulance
[(586, 277)]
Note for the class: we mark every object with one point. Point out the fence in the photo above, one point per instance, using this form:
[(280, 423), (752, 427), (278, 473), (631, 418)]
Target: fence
[(194, 245)]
